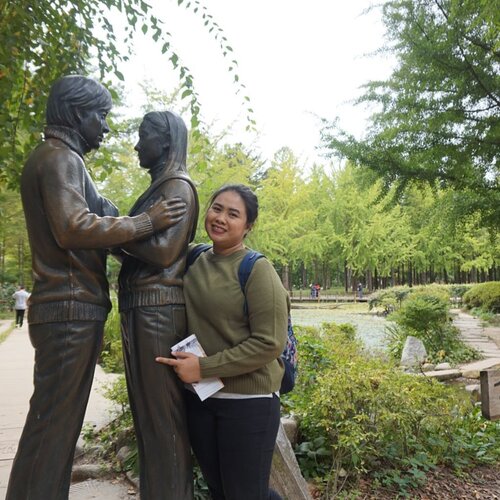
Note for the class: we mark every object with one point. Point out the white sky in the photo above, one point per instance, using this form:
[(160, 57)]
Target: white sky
[(300, 60)]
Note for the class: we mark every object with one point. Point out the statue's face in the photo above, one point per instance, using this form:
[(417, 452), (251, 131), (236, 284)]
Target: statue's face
[(93, 126), (151, 146)]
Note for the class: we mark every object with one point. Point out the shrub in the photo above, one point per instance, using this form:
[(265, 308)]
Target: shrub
[(360, 415), (425, 315), (390, 299), (485, 296), (111, 354), (6, 300), (458, 291)]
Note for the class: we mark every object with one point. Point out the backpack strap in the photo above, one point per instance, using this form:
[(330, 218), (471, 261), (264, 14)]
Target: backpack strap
[(195, 252), (246, 266)]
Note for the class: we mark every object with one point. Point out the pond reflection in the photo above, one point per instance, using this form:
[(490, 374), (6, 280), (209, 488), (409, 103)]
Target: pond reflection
[(369, 327)]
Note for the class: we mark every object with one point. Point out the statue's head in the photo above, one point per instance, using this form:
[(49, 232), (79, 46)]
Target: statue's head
[(154, 139), (82, 104)]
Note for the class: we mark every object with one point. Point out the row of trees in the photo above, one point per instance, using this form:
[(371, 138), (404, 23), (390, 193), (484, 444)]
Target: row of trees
[(337, 226)]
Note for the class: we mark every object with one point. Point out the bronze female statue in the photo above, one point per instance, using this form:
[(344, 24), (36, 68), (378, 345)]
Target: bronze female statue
[(153, 316)]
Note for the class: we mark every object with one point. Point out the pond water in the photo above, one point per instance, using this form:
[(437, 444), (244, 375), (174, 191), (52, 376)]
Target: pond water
[(369, 327)]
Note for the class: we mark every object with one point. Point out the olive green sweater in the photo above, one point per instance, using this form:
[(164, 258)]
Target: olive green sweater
[(242, 349)]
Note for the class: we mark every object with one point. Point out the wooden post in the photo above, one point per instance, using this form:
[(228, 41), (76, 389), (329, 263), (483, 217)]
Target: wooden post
[(490, 394)]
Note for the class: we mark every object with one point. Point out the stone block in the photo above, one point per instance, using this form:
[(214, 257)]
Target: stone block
[(475, 392), (291, 429), (444, 374), (414, 352), (428, 367), (286, 477), (443, 366)]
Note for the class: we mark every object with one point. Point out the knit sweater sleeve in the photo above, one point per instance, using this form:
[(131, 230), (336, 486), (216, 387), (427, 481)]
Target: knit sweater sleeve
[(266, 321)]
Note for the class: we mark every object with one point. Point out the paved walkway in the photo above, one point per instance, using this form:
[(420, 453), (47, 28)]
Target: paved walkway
[(485, 340), (16, 376)]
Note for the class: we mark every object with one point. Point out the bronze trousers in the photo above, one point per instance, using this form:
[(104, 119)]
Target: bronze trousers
[(156, 400), (65, 359)]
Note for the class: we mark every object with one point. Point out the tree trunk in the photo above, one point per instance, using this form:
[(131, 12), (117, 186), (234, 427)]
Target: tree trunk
[(473, 275), (305, 284), (2, 257)]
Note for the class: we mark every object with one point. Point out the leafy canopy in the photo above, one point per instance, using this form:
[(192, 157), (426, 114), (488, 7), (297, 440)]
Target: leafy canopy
[(438, 113), (43, 40)]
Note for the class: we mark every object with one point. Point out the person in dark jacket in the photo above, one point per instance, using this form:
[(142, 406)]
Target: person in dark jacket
[(70, 226), (153, 315)]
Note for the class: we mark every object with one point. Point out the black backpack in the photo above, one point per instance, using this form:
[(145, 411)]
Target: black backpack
[(289, 354)]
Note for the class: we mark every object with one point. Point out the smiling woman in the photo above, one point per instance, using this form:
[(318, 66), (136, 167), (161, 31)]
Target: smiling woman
[(233, 432), (226, 221)]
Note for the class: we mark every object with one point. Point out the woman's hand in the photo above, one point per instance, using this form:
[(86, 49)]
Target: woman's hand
[(186, 365)]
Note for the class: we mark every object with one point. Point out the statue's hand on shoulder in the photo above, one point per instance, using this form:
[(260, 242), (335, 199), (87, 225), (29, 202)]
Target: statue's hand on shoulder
[(166, 213)]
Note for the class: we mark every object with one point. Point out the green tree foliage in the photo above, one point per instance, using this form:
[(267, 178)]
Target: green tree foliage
[(438, 117), (43, 40), (283, 217), (15, 260), (485, 296)]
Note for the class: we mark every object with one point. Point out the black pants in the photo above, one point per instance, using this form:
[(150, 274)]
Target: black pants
[(65, 359), (233, 440), (19, 317), (156, 400)]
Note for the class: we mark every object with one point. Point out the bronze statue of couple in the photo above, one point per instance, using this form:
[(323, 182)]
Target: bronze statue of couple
[(71, 229)]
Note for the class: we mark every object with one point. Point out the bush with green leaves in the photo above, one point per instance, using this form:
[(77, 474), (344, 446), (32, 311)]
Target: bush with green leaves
[(458, 290), (6, 300), (485, 296), (389, 299), (425, 314), (111, 354), (360, 415)]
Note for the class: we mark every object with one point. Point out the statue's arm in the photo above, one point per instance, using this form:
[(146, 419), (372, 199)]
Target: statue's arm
[(62, 183), (165, 247)]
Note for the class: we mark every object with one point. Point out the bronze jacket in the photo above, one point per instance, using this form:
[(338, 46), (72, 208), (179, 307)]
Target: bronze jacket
[(70, 226)]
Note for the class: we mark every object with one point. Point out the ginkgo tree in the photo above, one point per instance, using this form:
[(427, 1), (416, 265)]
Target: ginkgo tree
[(437, 117)]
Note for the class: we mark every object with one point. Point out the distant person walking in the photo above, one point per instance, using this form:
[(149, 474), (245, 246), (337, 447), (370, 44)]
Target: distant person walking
[(21, 298)]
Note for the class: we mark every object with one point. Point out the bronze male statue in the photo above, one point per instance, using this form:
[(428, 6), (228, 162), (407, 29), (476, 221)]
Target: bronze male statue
[(70, 226), (153, 318)]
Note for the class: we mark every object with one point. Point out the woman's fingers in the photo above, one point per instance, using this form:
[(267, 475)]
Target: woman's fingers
[(166, 361)]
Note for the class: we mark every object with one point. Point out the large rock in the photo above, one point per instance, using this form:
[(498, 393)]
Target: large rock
[(475, 392), (414, 352), (286, 477)]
